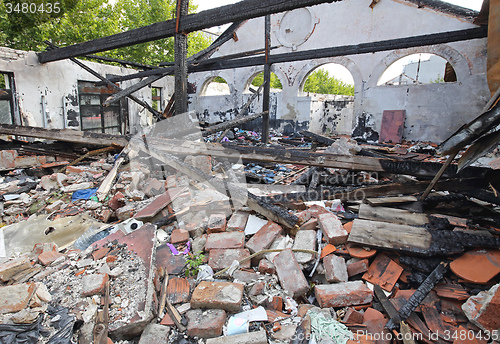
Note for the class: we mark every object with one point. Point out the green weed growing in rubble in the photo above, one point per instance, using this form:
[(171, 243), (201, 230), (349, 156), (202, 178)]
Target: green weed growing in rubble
[(193, 262)]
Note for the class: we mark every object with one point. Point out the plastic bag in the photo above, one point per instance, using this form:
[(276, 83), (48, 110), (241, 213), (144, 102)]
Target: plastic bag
[(64, 325), (21, 333), (83, 194)]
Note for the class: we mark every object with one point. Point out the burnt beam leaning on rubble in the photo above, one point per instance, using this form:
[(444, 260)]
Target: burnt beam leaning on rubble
[(231, 124), (66, 135), (238, 195), (199, 56), (242, 10), (318, 138), (362, 48)]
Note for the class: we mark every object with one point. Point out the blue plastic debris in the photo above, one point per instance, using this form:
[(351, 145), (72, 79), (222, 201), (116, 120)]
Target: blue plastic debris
[(83, 194)]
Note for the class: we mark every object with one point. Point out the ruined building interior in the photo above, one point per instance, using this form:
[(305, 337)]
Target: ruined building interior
[(186, 203)]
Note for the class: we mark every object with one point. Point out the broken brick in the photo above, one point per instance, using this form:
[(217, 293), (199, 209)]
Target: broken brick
[(237, 222), (290, 275), (179, 235), (332, 229), (258, 337), (357, 267), (205, 324), (48, 257), (155, 333), (216, 223), (343, 294), (13, 267), (335, 268), (219, 259), (42, 247), (117, 201), (276, 303), (257, 289), (100, 253), (316, 210), (304, 240), (353, 316), (225, 240), (266, 267), (94, 284), (14, 298), (483, 309), (264, 237), (218, 295), (154, 187), (310, 224)]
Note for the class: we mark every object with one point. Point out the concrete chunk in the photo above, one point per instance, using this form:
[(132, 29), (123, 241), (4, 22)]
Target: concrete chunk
[(259, 337), (14, 298), (335, 269), (218, 295), (343, 294), (155, 333), (332, 229), (93, 284), (225, 240), (291, 277), (264, 237)]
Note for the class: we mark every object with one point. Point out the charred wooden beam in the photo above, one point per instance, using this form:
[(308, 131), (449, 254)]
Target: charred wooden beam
[(180, 64), (418, 296), (204, 54), (226, 14), (318, 138), (267, 81), (66, 135), (122, 62), (231, 124)]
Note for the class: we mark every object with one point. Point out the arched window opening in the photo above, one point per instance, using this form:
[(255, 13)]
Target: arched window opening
[(258, 80), (215, 86), (418, 69), (330, 78)]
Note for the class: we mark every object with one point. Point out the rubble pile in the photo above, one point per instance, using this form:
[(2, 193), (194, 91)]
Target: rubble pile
[(150, 246)]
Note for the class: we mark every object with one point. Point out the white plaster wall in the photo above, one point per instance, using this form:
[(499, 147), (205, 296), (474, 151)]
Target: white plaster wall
[(57, 82), (351, 22)]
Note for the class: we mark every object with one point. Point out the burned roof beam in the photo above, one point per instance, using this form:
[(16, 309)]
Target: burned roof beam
[(363, 48), (242, 10)]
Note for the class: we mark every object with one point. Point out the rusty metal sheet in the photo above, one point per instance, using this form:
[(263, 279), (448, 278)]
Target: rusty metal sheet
[(392, 126)]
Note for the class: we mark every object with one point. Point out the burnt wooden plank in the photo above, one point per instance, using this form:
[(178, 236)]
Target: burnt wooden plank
[(267, 81), (180, 64), (214, 17), (67, 135)]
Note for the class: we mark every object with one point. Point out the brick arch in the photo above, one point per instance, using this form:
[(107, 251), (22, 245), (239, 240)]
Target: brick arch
[(254, 71), (312, 65), (456, 59), (209, 77)]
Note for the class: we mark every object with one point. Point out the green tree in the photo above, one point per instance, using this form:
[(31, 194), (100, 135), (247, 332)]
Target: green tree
[(275, 81), (321, 82), (83, 20)]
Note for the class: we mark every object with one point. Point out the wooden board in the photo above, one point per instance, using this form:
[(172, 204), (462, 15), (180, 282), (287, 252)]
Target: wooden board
[(389, 235), (375, 202), (392, 215), (393, 122), (159, 203)]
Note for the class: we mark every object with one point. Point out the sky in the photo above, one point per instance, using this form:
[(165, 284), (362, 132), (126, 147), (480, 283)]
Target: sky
[(339, 71)]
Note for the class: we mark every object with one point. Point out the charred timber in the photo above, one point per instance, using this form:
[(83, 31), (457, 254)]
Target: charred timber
[(214, 17)]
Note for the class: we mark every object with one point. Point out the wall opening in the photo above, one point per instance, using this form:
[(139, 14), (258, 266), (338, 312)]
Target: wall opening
[(156, 97), (6, 98), (418, 69), (97, 118), (215, 86), (258, 79), (330, 78)]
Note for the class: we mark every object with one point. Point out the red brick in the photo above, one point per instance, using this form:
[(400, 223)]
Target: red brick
[(74, 169), (257, 289), (14, 298), (218, 295), (237, 222), (275, 304), (225, 240), (264, 237), (303, 216), (290, 275), (117, 201), (357, 267), (94, 284), (266, 267), (335, 268), (205, 324), (343, 294), (353, 316), (219, 259), (316, 210), (179, 235), (483, 309), (216, 223), (311, 224), (48, 257), (332, 229), (154, 187)]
